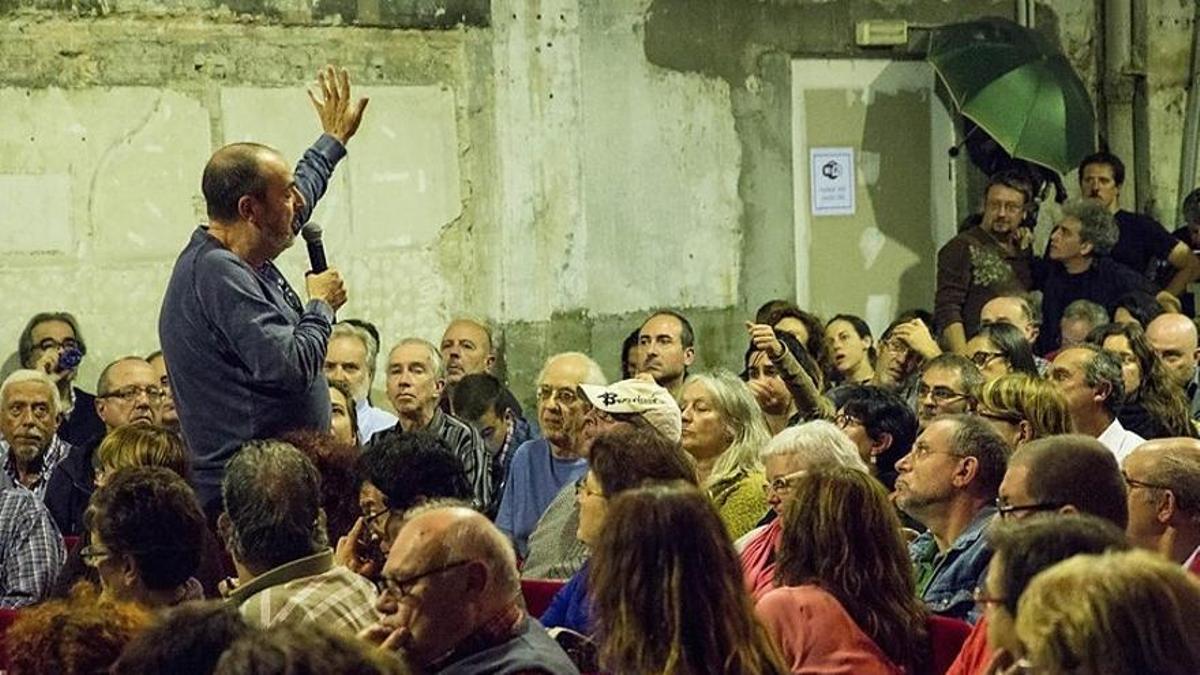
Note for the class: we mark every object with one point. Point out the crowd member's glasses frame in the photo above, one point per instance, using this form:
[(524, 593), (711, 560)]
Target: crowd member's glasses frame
[(563, 395), (129, 394), (783, 485), (938, 394), (403, 588), (582, 489), (981, 358), (1135, 483), (92, 555), (982, 598), (843, 421), (50, 343), (924, 451), (1010, 417), (1007, 511)]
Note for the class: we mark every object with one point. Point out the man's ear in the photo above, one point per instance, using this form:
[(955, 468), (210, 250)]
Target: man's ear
[(489, 362), (247, 208), (967, 471), (478, 577), (689, 356), (1024, 432), (1102, 392), (1167, 507), (1086, 248)]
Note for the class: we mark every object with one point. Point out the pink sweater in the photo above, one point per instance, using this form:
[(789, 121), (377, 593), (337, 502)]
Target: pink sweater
[(817, 636)]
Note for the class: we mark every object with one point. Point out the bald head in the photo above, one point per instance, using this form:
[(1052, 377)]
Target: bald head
[(450, 570), (1013, 310), (1174, 339), (1163, 476), (231, 173)]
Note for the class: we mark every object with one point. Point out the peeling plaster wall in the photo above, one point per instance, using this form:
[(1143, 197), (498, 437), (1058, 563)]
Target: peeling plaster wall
[(559, 166)]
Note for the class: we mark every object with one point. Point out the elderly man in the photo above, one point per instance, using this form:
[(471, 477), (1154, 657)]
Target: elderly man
[(948, 483), (274, 529), (126, 393), (984, 261), (31, 447), (1163, 476), (350, 360), (949, 385), (541, 467), (554, 550), (451, 601), (1090, 379), (51, 342), (1078, 268), (1078, 320), (31, 549), (666, 347), (415, 379), (246, 353), (1173, 337)]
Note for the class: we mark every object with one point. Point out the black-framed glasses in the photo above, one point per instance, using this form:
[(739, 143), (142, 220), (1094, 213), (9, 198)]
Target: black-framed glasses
[(129, 394), (1009, 510), (582, 490), (981, 358), (402, 588), (1135, 483), (939, 394)]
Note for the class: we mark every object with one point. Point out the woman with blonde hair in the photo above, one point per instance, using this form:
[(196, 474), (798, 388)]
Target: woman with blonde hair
[(1129, 613), (141, 445), (846, 600), (1024, 408), (724, 431), (666, 590)]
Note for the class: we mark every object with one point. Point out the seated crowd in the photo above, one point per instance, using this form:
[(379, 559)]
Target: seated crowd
[(1009, 483)]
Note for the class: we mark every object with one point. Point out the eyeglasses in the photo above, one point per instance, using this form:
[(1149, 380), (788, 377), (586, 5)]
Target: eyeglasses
[(563, 396), (93, 555), (129, 394), (1010, 417), (1134, 483), (843, 420), (896, 346), (982, 598), (921, 451), (982, 358), (1003, 207), (939, 394), (582, 490), (403, 588), (783, 485), (51, 343), (1008, 510)]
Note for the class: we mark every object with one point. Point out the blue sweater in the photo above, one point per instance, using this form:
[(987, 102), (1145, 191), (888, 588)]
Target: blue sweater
[(534, 478), (246, 358), (570, 608)]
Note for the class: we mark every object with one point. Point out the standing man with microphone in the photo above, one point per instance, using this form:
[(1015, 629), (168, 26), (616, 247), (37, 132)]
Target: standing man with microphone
[(246, 353)]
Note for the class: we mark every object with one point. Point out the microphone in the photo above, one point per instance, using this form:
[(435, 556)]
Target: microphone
[(316, 250)]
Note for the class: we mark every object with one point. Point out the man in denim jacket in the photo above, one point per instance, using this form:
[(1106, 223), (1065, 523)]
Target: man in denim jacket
[(948, 483)]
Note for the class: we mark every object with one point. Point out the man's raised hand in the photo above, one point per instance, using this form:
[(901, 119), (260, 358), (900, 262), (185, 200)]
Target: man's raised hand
[(331, 97)]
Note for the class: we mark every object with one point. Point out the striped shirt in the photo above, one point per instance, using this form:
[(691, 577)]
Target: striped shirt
[(310, 590), (55, 453), (467, 445), (31, 549)]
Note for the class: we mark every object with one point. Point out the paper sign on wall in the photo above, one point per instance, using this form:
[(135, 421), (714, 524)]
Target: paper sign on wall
[(831, 171)]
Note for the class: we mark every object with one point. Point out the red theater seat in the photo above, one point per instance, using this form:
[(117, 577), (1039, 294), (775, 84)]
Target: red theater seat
[(538, 593)]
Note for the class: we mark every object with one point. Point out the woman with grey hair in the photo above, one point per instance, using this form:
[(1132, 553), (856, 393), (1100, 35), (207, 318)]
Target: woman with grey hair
[(1078, 267), (796, 450), (724, 431)]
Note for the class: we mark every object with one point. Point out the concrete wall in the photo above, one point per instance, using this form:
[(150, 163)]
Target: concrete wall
[(560, 166)]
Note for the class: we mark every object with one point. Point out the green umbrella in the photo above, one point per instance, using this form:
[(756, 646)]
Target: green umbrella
[(1017, 88)]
